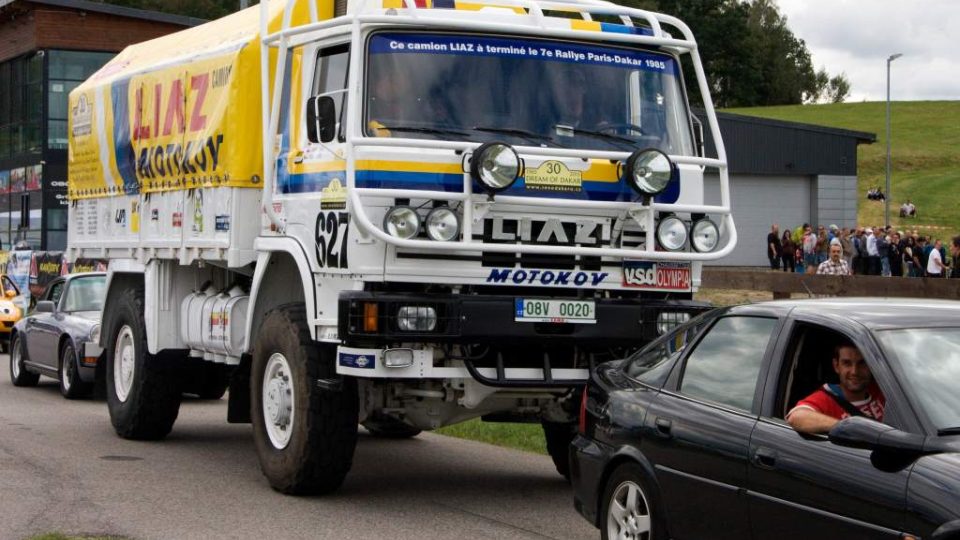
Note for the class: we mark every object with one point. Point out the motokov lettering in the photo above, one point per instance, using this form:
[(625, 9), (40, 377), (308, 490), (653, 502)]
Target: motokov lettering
[(545, 277)]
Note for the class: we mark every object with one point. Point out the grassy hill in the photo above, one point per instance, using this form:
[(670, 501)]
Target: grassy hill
[(925, 168)]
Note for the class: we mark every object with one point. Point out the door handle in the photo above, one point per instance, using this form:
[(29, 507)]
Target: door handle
[(664, 427), (765, 458)]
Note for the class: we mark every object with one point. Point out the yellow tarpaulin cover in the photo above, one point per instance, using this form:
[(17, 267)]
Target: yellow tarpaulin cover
[(177, 112)]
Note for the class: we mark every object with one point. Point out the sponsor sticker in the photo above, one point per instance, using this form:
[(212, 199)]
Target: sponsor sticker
[(223, 223), (553, 176), (552, 278), (657, 276), (334, 196), (360, 361)]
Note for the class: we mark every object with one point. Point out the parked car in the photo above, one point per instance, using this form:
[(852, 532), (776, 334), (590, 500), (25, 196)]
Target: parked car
[(10, 312), (60, 338), (687, 438)]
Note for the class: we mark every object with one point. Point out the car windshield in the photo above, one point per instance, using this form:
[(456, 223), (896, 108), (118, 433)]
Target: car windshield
[(929, 359), (526, 92), (85, 294)]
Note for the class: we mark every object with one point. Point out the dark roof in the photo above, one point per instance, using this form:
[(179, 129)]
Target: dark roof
[(776, 147), (874, 313), (120, 11), (861, 136)]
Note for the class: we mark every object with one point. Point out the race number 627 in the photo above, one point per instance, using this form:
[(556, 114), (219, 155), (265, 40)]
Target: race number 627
[(332, 231)]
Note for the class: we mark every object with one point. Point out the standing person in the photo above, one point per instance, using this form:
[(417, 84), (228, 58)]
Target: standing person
[(788, 252), (773, 247), (955, 253), (835, 265), (895, 256), (809, 251), (846, 242), (859, 251), (823, 245), (909, 265), (873, 255), (883, 251), (924, 248), (935, 264)]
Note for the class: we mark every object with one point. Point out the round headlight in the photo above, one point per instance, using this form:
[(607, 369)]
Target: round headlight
[(495, 165), (402, 222), (705, 235), (672, 233), (95, 334), (649, 171), (442, 224)]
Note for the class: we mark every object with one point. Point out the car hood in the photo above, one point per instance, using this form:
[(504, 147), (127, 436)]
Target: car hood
[(88, 315)]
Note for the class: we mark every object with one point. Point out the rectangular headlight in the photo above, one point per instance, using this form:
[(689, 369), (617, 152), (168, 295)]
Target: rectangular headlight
[(417, 319), (398, 358), (668, 320)]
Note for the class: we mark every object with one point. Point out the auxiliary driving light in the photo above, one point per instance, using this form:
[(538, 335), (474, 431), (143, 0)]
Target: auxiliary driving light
[(398, 358), (672, 233), (668, 320), (649, 171), (402, 222), (495, 165), (704, 235), (416, 319), (442, 224)]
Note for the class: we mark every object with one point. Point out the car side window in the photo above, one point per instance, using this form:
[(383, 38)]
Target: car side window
[(330, 78), (9, 285), (652, 364), (725, 365), (56, 290)]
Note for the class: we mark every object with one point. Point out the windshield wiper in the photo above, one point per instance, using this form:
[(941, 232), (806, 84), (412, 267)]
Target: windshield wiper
[(949, 431), (529, 135), (599, 134), (420, 129)]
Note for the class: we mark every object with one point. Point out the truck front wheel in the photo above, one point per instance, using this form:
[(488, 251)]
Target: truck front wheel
[(143, 389), (304, 417)]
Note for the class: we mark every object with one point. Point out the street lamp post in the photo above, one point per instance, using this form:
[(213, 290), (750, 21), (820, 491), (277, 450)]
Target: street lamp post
[(886, 196)]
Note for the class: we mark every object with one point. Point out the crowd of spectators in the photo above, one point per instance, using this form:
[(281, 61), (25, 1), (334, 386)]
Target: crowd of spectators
[(876, 251)]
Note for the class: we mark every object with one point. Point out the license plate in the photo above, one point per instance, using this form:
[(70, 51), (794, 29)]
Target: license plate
[(555, 311)]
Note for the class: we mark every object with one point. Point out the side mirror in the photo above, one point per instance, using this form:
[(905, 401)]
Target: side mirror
[(44, 306), (859, 432), (321, 119), (11, 294)]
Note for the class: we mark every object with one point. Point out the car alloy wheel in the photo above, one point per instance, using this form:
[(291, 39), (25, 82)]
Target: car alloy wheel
[(65, 367), (628, 514)]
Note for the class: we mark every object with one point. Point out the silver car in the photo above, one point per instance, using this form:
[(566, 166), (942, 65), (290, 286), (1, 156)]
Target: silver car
[(60, 338)]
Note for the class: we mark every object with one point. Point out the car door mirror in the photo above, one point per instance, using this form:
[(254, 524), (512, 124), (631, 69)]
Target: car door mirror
[(45, 306), (859, 432), (321, 119)]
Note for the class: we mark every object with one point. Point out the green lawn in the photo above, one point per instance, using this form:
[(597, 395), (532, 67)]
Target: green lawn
[(527, 437), (925, 141)]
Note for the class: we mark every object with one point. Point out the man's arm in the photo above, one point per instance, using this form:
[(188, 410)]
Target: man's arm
[(807, 420)]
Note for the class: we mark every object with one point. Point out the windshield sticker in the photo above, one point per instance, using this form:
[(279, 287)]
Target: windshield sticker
[(512, 48)]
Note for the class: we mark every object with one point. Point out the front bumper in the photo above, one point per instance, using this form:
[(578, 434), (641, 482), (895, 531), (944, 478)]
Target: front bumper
[(488, 319), (588, 460)]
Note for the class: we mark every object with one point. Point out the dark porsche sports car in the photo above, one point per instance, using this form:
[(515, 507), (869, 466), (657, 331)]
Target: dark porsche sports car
[(687, 438), (59, 339)]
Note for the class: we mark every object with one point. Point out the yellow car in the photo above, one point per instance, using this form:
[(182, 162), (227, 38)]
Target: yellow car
[(10, 312)]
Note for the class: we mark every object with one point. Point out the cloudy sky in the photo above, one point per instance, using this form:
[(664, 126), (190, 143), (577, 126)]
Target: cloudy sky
[(857, 36)]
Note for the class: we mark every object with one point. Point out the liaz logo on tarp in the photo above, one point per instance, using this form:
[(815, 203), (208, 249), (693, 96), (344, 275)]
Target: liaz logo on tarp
[(657, 276)]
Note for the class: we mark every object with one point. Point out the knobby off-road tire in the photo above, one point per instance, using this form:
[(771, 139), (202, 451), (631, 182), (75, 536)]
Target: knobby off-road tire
[(305, 432), (19, 375), (71, 386), (143, 390), (636, 508), (558, 436), (387, 427)]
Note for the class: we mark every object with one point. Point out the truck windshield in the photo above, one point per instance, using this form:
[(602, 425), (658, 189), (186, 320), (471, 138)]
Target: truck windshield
[(528, 92)]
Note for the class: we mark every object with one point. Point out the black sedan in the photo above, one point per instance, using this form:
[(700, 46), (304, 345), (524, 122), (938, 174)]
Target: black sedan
[(689, 438), (59, 339)]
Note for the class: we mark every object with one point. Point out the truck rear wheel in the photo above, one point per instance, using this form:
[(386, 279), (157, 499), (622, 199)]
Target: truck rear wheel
[(143, 390), (304, 418), (558, 436)]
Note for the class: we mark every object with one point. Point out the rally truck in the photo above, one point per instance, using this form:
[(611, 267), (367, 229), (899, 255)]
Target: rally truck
[(400, 214)]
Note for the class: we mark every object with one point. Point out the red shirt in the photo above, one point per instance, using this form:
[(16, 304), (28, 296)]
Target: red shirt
[(819, 401)]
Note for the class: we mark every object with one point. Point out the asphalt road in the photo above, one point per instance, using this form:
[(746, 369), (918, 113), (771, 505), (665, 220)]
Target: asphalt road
[(63, 469)]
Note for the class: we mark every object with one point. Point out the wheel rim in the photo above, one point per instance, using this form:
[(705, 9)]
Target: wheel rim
[(15, 359), (277, 400), (628, 516), (124, 361), (65, 370)]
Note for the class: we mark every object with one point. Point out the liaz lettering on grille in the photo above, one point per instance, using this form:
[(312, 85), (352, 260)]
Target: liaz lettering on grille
[(546, 231)]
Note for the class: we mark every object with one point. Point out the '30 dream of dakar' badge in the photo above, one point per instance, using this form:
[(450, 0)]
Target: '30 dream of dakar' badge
[(553, 176), (334, 196)]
